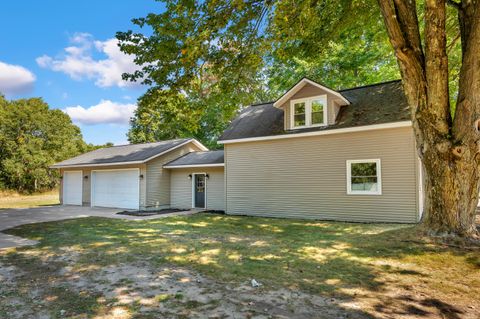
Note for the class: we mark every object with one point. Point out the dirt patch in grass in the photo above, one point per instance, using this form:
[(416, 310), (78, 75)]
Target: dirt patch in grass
[(201, 265), (138, 290)]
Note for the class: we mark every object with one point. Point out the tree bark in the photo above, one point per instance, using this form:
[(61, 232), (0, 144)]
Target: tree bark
[(451, 194), (449, 148)]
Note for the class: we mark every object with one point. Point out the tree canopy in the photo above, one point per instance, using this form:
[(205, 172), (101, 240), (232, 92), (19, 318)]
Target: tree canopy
[(211, 58), (33, 137)]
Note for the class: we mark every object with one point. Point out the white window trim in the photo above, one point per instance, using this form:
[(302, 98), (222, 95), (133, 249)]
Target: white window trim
[(379, 177), (308, 111)]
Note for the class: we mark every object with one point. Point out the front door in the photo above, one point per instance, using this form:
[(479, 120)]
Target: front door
[(199, 188)]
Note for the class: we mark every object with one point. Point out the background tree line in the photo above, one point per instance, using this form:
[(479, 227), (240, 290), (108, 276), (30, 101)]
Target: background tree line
[(33, 137)]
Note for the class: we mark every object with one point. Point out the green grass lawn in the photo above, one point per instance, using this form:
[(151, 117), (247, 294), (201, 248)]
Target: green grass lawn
[(385, 270), (15, 200)]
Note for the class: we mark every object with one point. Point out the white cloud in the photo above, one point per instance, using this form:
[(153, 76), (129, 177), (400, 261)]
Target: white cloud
[(105, 112), (79, 62), (15, 79)]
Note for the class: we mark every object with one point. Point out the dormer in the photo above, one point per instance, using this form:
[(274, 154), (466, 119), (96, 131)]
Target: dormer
[(309, 104)]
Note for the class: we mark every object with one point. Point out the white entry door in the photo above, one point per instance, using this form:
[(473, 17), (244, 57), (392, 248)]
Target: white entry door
[(116, 188), (72, 188)]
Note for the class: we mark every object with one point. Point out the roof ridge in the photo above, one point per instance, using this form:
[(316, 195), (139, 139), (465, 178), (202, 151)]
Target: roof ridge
[(262, 103), (173, 139), (369, 85), (319, 83), (338, 90)]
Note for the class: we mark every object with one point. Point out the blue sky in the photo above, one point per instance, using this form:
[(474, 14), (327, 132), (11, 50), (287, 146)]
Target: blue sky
[(65, 52)]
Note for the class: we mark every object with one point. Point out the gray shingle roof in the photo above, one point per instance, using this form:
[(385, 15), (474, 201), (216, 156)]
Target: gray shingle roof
[(372, 104), (133, 153), (198, 159)]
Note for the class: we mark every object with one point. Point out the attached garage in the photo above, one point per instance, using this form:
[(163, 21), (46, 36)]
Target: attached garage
[(72, 188), (124, 176), (118, 188)]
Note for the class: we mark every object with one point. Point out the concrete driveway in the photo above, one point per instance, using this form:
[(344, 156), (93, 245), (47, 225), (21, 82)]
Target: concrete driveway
[(10, 218)]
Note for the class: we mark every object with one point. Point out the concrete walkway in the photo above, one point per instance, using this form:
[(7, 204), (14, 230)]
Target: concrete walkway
[(10, 218)]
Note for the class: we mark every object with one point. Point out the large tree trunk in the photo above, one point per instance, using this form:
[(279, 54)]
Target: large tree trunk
[(451, 194), (449, 148)]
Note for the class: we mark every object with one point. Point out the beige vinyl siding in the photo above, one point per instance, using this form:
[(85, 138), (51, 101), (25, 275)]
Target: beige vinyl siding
[(158, 178), (60, 191), (87, 171), (308, 91), (216, 189), (181, 187), (306, 177), (87, 187)]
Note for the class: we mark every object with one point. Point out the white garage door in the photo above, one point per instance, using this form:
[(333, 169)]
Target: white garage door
[(72, 188), (116, 188)]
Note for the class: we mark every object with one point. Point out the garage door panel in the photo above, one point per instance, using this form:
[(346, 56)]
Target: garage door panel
[(72, 188), (119, 188)]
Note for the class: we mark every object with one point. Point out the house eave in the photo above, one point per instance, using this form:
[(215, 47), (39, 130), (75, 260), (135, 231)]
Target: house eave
[(323, 132), (98, 164), (195, 165), (194, 141)]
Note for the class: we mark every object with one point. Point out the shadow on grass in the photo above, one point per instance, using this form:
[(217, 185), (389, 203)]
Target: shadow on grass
[(425, 307), (327, 258)]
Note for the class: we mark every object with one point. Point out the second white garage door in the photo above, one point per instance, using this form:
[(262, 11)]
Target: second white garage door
[(72, 188), (116, 188)]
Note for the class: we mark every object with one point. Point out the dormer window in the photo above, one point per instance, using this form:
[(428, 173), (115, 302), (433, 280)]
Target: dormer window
[(309, 112), (305, 105), (299, 117), (319, 111)]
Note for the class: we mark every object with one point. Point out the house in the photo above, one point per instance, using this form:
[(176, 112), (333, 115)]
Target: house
[(314, 153), (323, 154)]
